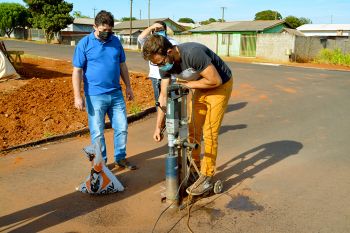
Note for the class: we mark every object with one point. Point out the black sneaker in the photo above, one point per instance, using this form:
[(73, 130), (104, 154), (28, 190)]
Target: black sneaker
[(123, 163), (202, 185)]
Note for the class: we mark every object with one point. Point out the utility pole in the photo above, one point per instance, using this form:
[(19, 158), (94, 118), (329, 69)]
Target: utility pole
[(130, 21), (149, 13), (223, 13), (94, 11), (140, 14)]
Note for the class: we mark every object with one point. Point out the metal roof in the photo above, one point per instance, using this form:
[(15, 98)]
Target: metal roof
[(293, 31), (127, 31), (143, 23), (87, 21), (324, 27), (238, 26)]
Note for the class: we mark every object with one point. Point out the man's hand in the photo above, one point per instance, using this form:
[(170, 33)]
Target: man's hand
[(157, 27), (129, 94), (158, 135), (79, 103)]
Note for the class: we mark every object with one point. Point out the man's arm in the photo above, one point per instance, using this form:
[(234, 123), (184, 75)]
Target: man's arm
[(124, 73), (210, 79), (141, 38), (160, 112), (77, 76)]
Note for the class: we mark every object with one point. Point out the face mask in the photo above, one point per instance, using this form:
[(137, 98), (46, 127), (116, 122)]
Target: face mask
[(104, 35), (161, 33), (166, 67)]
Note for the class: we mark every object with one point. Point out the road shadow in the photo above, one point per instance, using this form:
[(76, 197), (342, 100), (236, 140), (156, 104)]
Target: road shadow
[(43, 216), (253, 161), (235, 107), (227, 128)]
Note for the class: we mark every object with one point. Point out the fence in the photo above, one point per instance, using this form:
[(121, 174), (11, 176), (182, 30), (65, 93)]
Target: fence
[(307, 48)]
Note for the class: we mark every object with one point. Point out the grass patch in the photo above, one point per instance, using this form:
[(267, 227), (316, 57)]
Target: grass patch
[(134, 109), (48, 134), (335, 57)]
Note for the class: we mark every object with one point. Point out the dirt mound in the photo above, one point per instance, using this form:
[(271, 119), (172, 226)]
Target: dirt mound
[(40, 105)]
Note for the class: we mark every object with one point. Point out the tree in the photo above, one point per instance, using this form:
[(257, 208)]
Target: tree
[(268, 15), (210, 20), (304, 20), (12, 15), (127, 19), (50, 15), (77, 14), (186, 20), (295, 22)]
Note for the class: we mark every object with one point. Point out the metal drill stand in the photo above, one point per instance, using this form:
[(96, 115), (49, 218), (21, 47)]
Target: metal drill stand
[(179, 174)]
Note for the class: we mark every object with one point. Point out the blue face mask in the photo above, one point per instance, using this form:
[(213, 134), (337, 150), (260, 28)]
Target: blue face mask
[(166, 67), (161, 33)]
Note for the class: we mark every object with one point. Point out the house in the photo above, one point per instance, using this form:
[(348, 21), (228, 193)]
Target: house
[(122, 30), (81, 25), (173, 27), (325, 30), (291, 31), (189, 25), (238, 38), (77, 30)]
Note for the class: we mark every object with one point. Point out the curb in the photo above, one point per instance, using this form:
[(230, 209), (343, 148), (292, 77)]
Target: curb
[(131, 118), (316, 68)]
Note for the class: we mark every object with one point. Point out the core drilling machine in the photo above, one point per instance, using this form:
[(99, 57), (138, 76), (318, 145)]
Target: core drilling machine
[(181, 171)]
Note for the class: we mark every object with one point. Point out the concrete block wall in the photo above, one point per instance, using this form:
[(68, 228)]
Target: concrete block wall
[(274, 46)]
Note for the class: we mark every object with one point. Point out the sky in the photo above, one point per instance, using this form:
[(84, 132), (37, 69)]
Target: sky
[(319, 11)]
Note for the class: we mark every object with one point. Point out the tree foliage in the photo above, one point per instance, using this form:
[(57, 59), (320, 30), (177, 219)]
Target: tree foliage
[(304, 20), (127, 19), (186, 20), (268, 15), (12, 15), (208, 21), (50, 15), (78, 14), (295, 22)]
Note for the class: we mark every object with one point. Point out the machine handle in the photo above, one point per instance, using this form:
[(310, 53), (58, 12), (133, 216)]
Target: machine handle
[(190, 145)]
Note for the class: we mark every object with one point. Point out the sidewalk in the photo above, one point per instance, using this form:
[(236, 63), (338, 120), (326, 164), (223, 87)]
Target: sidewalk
[(294, 64)]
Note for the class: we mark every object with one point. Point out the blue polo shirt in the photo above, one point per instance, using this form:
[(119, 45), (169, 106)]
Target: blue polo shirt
[(100, 62)]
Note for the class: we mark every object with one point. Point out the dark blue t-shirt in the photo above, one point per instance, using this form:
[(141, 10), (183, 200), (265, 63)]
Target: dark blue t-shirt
[(100, 61)]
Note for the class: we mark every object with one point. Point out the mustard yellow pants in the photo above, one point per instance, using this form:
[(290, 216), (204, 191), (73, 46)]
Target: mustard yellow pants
[(208, 109)]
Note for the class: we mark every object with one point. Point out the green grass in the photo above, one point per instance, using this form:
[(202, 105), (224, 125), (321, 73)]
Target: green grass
[(48, 134), (134, 109), (335, 57)]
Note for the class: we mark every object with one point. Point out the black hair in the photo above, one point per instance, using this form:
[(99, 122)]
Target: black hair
[(155, 44), (104, 17)]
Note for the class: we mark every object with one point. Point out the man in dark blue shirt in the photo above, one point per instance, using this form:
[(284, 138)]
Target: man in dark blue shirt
[(99, 60)]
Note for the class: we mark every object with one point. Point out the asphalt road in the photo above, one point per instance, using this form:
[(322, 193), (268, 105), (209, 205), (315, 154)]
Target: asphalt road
[(134, 60), (283, 154)]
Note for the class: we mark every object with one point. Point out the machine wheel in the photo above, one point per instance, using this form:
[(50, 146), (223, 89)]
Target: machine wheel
[(218, 186)]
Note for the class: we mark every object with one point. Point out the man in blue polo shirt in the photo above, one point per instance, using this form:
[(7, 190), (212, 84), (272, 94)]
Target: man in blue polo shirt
[(99, 60)]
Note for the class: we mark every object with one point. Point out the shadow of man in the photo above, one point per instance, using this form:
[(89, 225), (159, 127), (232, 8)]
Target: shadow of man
[(251, 162)]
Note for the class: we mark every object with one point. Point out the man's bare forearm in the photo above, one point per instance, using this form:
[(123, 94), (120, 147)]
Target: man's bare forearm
[(124, 73), (77, 76)]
